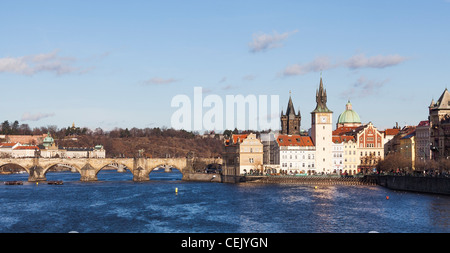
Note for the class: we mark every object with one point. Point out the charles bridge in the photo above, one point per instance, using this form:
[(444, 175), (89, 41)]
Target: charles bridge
[(89, 167)]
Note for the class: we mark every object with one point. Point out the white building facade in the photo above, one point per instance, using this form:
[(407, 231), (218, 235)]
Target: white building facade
[(295, 154)]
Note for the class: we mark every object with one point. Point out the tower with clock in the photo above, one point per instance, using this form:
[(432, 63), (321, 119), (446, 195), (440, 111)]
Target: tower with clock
[(321, 131)]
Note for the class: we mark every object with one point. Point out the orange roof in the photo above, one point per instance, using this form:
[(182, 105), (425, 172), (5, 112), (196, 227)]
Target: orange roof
[(27, 147), (9, 144), (241, 137), (391, 131), (343, 130), (294, 140), (343, 138)]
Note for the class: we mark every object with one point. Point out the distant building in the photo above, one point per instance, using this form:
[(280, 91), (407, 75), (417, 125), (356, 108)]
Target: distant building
[(439, 118), (243, 154), (351, 156), (423, 151), (290, 122), (295, 154), (364, 143), (49, 149), (270, 149), (389, 142), (348, 118), (338, 154), (321, 131), (345, 155), (24, 151), (408, 147), (6, 149)]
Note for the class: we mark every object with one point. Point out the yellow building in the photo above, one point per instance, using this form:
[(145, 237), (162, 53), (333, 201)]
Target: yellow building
[(243, 154), (351, 156), (408, 147)]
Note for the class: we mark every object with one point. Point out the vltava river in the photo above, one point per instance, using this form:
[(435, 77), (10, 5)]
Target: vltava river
[(117, 204)]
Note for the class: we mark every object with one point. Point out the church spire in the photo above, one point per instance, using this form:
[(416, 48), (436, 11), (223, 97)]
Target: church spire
[(290, 108), (321, 99)]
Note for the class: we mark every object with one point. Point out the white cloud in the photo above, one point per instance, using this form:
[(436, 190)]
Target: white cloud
[(363, 87), (318, 64), (35, 117), (379, 61), (32, 64), (158, 80), (354, 62), (248, 78), (263, 41)]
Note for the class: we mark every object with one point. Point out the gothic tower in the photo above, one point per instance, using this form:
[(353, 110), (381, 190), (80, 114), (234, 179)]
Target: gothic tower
[(321, 131), (290, 122)]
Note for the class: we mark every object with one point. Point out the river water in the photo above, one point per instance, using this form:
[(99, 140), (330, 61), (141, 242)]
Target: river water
[(117, 204)]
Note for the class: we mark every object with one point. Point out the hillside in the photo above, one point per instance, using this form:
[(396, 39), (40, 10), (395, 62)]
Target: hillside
[(153, 146)]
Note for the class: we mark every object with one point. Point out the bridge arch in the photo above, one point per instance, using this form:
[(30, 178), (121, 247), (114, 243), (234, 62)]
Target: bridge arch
[(126, 165), (153, 167), (163, 174), (16, 165), (48, 167)]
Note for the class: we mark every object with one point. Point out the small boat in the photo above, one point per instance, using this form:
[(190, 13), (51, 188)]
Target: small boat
[(57, 182), (13, 183)]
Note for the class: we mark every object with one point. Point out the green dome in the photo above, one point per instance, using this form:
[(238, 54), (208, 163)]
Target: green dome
[(348, 116), (48, 141)]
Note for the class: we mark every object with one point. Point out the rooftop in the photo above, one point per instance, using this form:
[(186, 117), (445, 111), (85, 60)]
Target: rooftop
[(294, 140)]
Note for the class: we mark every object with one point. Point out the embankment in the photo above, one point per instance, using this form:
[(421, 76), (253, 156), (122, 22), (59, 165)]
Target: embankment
[(312, 180), (436, 185), (202, 177)]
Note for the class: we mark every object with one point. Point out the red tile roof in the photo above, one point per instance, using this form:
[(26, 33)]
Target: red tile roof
[(9, 144), (343, 130), (424, 123), (241, 137), (26, 147), (343, 138), (295, 140), (391, 131)]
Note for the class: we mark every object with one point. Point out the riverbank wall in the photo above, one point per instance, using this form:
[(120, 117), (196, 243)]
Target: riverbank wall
[(311, 180), (305, 180), (202, 177), (435, 185)]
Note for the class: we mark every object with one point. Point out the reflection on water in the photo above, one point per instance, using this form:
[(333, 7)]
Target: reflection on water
[(117, 204)]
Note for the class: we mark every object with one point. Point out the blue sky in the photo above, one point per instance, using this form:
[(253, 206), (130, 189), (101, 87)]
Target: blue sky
[(119, 63)]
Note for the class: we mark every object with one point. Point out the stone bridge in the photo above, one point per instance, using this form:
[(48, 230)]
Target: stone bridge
[(89, 167)]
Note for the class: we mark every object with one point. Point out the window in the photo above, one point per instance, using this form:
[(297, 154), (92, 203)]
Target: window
[(251, 160)]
